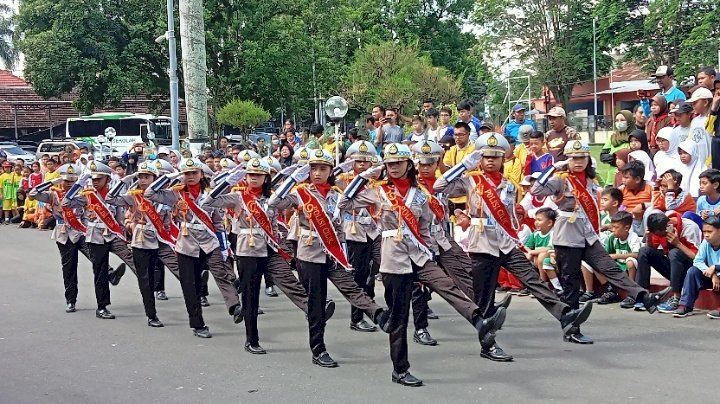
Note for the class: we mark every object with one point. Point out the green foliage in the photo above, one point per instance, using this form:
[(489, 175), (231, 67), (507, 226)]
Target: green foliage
[(398, 76), (242, 114), (8, 53)]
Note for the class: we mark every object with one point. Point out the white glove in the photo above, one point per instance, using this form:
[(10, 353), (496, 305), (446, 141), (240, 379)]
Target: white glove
[(236, 175), (301, 174), (172, 176), (288, 170), (471, 161), (346, 166), (561, 165), (129, 178), (371, 173), (84, 177)]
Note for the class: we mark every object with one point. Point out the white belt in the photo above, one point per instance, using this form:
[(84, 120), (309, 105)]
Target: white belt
[(99, 225), (477, 221), (196, 226), (364, 220), (251, 231), (305, 232), (436, 228), (391, 233), (146, 227), (577, 214)]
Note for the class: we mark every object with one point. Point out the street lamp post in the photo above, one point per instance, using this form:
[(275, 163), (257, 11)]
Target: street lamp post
[(110, 134), (336, 108), (172, 73)]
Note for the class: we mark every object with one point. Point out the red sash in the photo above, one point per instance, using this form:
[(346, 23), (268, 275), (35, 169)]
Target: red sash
[(437, 207), (315, 213), (587, 202), (198, 212), (97, 205), (496, 207), (153, 216), (405, 213), (261, 218), (69, 215)]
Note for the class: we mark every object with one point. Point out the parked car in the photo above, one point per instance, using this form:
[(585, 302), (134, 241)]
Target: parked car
[(11, 152), (55, 147)]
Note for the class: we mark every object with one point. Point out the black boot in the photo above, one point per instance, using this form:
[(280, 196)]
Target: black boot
[(576, 337), (406, 379), (651, 300), (489, 326)]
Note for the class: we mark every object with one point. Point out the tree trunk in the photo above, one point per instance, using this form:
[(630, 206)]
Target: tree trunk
[(192, 40)]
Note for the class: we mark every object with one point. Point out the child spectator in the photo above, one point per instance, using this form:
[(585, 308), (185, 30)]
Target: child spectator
[(419, 133), (637, 193), (672, 196), (644, 158), (50, 167), (691, 167), (704, 272), (513, 167), (539, 246), (610, 201), (25, 180), (659, 119), (29, 211), (672, 243), (10, 182), (667, 154), (538, 159), (36, 177), (621, 158), (700, 100), (708, 205), (682, 114), (623, 244), (531, 203)]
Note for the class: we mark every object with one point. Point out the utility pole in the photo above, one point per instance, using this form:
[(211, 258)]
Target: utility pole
[(192, 36), (172, 71)]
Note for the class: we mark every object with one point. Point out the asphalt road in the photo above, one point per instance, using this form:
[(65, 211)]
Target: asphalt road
[(50, 356)]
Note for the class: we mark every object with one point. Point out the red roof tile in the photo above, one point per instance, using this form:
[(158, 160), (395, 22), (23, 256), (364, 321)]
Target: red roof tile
[(7, 79)]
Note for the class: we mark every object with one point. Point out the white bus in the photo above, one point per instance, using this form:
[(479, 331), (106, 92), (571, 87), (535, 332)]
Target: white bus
[(129, 128)]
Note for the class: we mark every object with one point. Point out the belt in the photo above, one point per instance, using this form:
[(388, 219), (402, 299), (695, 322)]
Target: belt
[(306, 232), (391, 233), (146, 227), (436, 228), (476, 221), (59, 221), (364, 220), (251, 231), (563, 213), (97, 225), (196, 226)]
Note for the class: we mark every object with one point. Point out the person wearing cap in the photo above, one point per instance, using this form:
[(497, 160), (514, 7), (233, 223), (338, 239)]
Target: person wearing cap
[(201, 242), (682, 113), (407, 255), (101, 241), (559, 134), (463, 146), (315, 265), (701, 101), (362, 233), (664, 77), (518, 119), (575, 235), (493, 239), (163, 153)]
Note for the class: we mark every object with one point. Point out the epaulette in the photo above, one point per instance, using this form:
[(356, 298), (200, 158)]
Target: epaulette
[(562, 175), (377, 183), (56, 188), (134, 192), (472, 173), (238, 188), (424, 189), (303, 185), (177, 187), (337, 189), (346, 176)]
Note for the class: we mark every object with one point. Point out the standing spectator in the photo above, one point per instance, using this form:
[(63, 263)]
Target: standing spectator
[(465, 115), (419, 132), (25, 181), (513, 167), (222, 144), (444, 127), (50, 167), (701, 101), (620, 139), (370, 128), (36, 178), (706, 78), (713, 125), (537, 159), (455, 155), (286, 155), (518, 119), (378, 113), (132, 164), (120, 170), (640, 118), (559, 134), (683, 114), (659, 119), (433, 126), (292, 140), (665, 80), (389, 132), (289, 126), (262, 148), (10, 182)]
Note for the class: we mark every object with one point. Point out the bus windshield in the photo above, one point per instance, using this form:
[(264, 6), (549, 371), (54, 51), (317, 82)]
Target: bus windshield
[(129, 128)]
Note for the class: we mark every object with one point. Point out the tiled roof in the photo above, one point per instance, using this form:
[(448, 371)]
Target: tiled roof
[(7, 79)]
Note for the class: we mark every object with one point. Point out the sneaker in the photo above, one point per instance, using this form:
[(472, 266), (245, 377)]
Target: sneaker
[(523, 292), (683, 311), (609, 297), (586, 297), (160, 295), (669, 306), (514, 291), (714, 314), (639, 306), (628, 303)]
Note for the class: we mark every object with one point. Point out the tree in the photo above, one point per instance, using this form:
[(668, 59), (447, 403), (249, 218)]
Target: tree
[(398, 76), (554, 39), (242, 114), (8, 53), (103, 53)]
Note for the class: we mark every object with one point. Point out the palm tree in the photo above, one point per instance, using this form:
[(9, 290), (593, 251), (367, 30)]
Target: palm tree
[(8, 53)]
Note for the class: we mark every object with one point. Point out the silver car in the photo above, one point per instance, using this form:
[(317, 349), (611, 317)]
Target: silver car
[(12, 153)]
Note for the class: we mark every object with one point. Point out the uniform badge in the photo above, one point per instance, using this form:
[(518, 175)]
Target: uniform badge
[(426, 149), (363, 148), (577, 145), (492, 141), (392, 149), (70, 170)]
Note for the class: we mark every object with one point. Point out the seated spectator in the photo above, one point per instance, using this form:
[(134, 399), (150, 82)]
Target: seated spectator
[(667, 154), (644, 158), (705, 272), (532, 203), (621, 158), (537, 159), (29, 211), (671, 245), (708, 204), (671, 196), (690, 166), (539, 246), (611, 200), (637, 193), (623, 244)]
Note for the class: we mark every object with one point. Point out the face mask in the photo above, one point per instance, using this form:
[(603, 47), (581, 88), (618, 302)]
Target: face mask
[(621, 126)]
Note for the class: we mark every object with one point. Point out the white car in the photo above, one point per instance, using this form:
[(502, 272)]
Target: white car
[(12, 153)]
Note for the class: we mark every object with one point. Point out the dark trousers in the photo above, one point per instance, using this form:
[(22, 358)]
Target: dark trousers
[(280, 271), (673, 266), (419, 302), (224, 275), (345, 284), (69, 261), (166, 259), (485, 269), (122, 251), (458, 266), (359, 255), (375, 253), (190, 273), (568, 263), (398, 291), (100, 254), (145, 263), (695, 281), (314, 278), (253, 269), (432, 276), (715, 150)]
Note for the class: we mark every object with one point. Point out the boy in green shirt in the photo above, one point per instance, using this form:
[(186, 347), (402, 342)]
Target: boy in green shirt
[(623, 244), (10, 183), (539, 247)]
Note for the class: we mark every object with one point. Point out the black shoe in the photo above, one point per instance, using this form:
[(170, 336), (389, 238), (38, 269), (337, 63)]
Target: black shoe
[(406, 379), (609, 297), (431, 314), (204, 301), (116, 275), (160, 295), (523, 292), (238, 314), (260, 311), (329, 309), (628, 303), (587, 297), (236, 285), (254, 349), (574, 318), (505, 302), (202, 332), (104, 314), (270, 292), (651, 300), (70, 308), (576, 337), (495, 353), (363, 326), (382, 319), (489, 326), (324, 360), (423, 337), (155, 323)]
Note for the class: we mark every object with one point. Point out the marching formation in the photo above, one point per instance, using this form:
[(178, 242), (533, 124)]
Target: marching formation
[(343, 223)]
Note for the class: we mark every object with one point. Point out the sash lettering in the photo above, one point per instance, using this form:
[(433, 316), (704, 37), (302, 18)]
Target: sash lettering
[(198, 212), (408, 217), (320, 220), (69, 215), (586, 202), (153, 216), (103, 213), (258, 214)]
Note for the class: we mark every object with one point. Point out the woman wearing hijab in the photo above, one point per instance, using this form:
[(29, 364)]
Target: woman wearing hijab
[(667, 156), (624, 125), (638, 141), (691, 167), (132, 164), (644, 158), (659, 119)]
